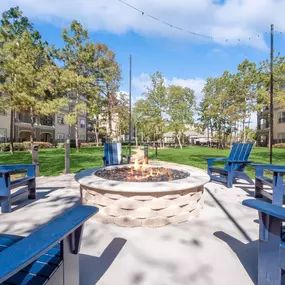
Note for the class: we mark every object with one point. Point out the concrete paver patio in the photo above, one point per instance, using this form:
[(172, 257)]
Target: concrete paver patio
[(218, 247)]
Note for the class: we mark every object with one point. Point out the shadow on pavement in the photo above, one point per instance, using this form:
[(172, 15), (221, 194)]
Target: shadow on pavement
[(247, 253), (92, 268)]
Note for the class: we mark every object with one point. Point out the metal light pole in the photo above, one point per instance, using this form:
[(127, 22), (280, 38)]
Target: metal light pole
[(130, 107), (271, 95)]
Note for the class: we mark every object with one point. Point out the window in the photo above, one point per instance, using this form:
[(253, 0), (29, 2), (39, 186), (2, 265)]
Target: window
[(60, 136), (3, 135), (82, 123), (3, 112), (281, 117), (90, 127), (281, 137), (60, 120)]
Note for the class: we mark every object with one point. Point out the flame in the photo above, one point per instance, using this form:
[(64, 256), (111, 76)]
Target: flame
[(141, 171)]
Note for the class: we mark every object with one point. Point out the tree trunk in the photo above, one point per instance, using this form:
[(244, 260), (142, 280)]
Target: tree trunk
[(178, 139), (12, 131), (136, 137), (243, 130), (32, 126), (97, 138), (76, 124), (110, 124)]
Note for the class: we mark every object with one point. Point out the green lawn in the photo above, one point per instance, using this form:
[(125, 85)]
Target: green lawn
[(52, 160), (195, 156)]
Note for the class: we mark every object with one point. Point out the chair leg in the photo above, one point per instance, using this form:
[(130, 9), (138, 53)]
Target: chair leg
[(230, 179), (258, 189), (6, 206), (32, 189), (269, 269)]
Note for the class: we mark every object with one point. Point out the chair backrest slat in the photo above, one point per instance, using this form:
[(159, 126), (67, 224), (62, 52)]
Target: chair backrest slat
[(113, 153), (241, 152)]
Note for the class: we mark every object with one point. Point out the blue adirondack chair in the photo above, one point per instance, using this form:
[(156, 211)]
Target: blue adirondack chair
[(48, 255), (113, 154), (276, 182), (6, 185), (234, 167), (271, 249)]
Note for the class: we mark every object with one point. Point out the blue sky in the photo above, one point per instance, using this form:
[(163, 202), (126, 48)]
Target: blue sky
[(183, 59)]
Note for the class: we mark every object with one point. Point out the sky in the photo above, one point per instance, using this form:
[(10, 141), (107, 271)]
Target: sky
[(240, 29)]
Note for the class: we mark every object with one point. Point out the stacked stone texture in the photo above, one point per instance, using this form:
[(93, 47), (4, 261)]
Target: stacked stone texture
[(147, 210)]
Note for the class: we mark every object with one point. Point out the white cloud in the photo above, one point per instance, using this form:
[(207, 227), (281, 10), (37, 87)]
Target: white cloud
[(244, 19), (197, 84)]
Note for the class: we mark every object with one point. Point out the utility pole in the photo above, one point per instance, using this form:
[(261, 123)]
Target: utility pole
[(271, 94), (130, 108)]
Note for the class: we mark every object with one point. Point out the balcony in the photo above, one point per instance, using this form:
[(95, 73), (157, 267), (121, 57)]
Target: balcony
[(46, 121), (24, 118)]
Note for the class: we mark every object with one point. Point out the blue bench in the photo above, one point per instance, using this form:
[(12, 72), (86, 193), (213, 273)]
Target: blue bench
[(234, 165), (6, 185), (113, 154), (275, 181), (47, 256), (271, 249)]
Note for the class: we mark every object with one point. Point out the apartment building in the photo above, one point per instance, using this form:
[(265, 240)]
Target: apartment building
[(46, 128), (263, 123)]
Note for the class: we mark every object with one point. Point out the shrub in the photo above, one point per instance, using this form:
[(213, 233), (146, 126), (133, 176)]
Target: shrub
[(60, 145), (24, 146), (279, 145), (90, 144), (40, 144)]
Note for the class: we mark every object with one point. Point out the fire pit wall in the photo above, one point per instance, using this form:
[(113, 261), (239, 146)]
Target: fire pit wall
[(151, 209)]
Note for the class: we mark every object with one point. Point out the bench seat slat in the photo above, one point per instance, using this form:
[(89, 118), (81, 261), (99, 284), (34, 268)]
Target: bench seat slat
[(219, 170), (268, 181), (29, 249), (50, 259), (40, 269), (21, 181), (21, 278)]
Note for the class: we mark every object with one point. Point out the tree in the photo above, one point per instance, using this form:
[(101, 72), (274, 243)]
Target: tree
[(74, 56), (104, 74), (142, 119), (13, 25), (97, 111), (122, 113), (180, 104), (31, 77), (156, 97)]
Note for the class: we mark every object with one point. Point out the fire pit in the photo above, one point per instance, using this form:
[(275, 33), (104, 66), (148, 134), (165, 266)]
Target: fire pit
[(141, 173), (143, 195)]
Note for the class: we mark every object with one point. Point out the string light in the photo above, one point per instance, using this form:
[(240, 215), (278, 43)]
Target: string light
[(183, 30)]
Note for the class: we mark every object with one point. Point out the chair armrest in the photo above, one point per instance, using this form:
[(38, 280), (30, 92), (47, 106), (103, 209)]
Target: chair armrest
[(5, 171), (28, 249), (217, 158), (265, 207), (240, 161)]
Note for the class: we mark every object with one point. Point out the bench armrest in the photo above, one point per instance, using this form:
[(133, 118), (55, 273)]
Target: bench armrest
[(265, 207), (28, 249), (269, 166), (276, 170)]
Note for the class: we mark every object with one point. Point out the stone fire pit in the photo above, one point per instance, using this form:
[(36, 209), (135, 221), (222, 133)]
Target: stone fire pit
[(147, 204)]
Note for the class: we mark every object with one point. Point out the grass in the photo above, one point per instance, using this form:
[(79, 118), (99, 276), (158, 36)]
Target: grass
[(195, 156), (52, 160)]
